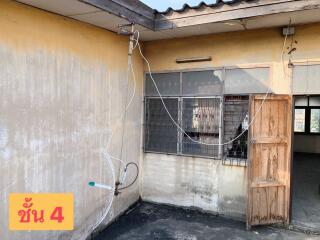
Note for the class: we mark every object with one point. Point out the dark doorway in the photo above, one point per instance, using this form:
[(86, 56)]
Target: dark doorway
[(306, 163)]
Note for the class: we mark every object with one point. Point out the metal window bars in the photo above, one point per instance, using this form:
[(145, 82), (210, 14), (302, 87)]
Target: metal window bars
[(236, 120), (199, 117), (194, 100)]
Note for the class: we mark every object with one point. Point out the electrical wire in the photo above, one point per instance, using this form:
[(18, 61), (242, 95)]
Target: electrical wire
[(283, 50), (180, 128), (129, 104), (130, 65), (124, 119), (107, 156)]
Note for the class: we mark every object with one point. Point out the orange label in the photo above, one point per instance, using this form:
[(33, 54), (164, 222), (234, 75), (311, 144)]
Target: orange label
[(40, 211)]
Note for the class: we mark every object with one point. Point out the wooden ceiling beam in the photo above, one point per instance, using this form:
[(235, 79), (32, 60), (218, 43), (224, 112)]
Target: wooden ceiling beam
[(133, 11)]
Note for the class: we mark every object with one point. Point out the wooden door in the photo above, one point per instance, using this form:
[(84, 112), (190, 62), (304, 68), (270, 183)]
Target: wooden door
[(269, 160)]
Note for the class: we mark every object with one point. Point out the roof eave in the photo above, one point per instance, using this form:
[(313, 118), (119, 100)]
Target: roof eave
[(133, 11), (237, 10)]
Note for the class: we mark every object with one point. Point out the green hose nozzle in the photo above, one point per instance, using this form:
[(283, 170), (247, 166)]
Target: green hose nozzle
[(91, 184)]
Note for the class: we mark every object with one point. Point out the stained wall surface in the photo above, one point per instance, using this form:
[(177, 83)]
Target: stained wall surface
[(62, 94), (194, 182)]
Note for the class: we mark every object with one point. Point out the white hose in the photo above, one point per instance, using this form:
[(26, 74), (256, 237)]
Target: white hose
[(108, 159), (179, 127), (107, 156), (127, 107)]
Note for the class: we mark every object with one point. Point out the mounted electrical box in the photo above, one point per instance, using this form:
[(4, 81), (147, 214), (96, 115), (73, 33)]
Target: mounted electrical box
[(288, 31)]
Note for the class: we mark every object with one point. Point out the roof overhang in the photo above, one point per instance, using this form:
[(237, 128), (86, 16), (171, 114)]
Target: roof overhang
[(134, 11), (239, 10), (190, 21)]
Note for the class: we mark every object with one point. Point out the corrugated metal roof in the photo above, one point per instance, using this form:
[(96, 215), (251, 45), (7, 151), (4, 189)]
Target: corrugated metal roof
[(200, 5)]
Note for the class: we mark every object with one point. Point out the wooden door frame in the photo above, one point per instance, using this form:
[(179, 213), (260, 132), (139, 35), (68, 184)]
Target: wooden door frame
[(248, 166), (291, 161)]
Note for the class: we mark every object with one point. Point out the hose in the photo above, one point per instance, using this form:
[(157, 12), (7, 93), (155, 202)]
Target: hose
[(136, 177)]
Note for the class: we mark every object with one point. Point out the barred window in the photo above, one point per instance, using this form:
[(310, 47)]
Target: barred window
[(196, 101), (236, 121), (201, 121), (193, 99), (161, 133)]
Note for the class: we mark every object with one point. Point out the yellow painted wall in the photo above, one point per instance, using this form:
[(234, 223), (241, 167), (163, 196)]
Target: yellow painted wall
[(61, 94), (244, 48), (27, 28)]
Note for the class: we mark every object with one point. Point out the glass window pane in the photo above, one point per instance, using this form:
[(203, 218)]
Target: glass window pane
[(250, 80), (314, 101), (306, 79), (202, 83), (301, 101), (200, 120), (315, 121), (299, 120), (167, 83), (160, 131)]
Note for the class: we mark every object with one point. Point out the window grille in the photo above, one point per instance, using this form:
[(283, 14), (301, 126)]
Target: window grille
[(236, 120), (194, 99), (201, 121), (185, 97), (160, 132)]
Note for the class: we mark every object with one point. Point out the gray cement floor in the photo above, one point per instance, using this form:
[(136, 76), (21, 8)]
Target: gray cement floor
[(306, 196), (150, 222)]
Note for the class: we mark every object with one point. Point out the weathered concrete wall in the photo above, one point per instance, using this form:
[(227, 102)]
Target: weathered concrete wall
[(61, 92), (194, 182), (207, 183)]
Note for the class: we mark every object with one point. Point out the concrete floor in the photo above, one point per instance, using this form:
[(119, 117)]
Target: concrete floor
[(306, 196), (148, 221)]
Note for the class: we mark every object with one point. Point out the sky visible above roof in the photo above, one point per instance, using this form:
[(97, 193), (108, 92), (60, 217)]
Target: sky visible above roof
[(162, 5)]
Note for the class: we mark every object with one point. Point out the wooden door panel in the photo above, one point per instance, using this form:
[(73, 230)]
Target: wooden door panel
[(270, 160), (269, 164), (273, 111), (268, 208)]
